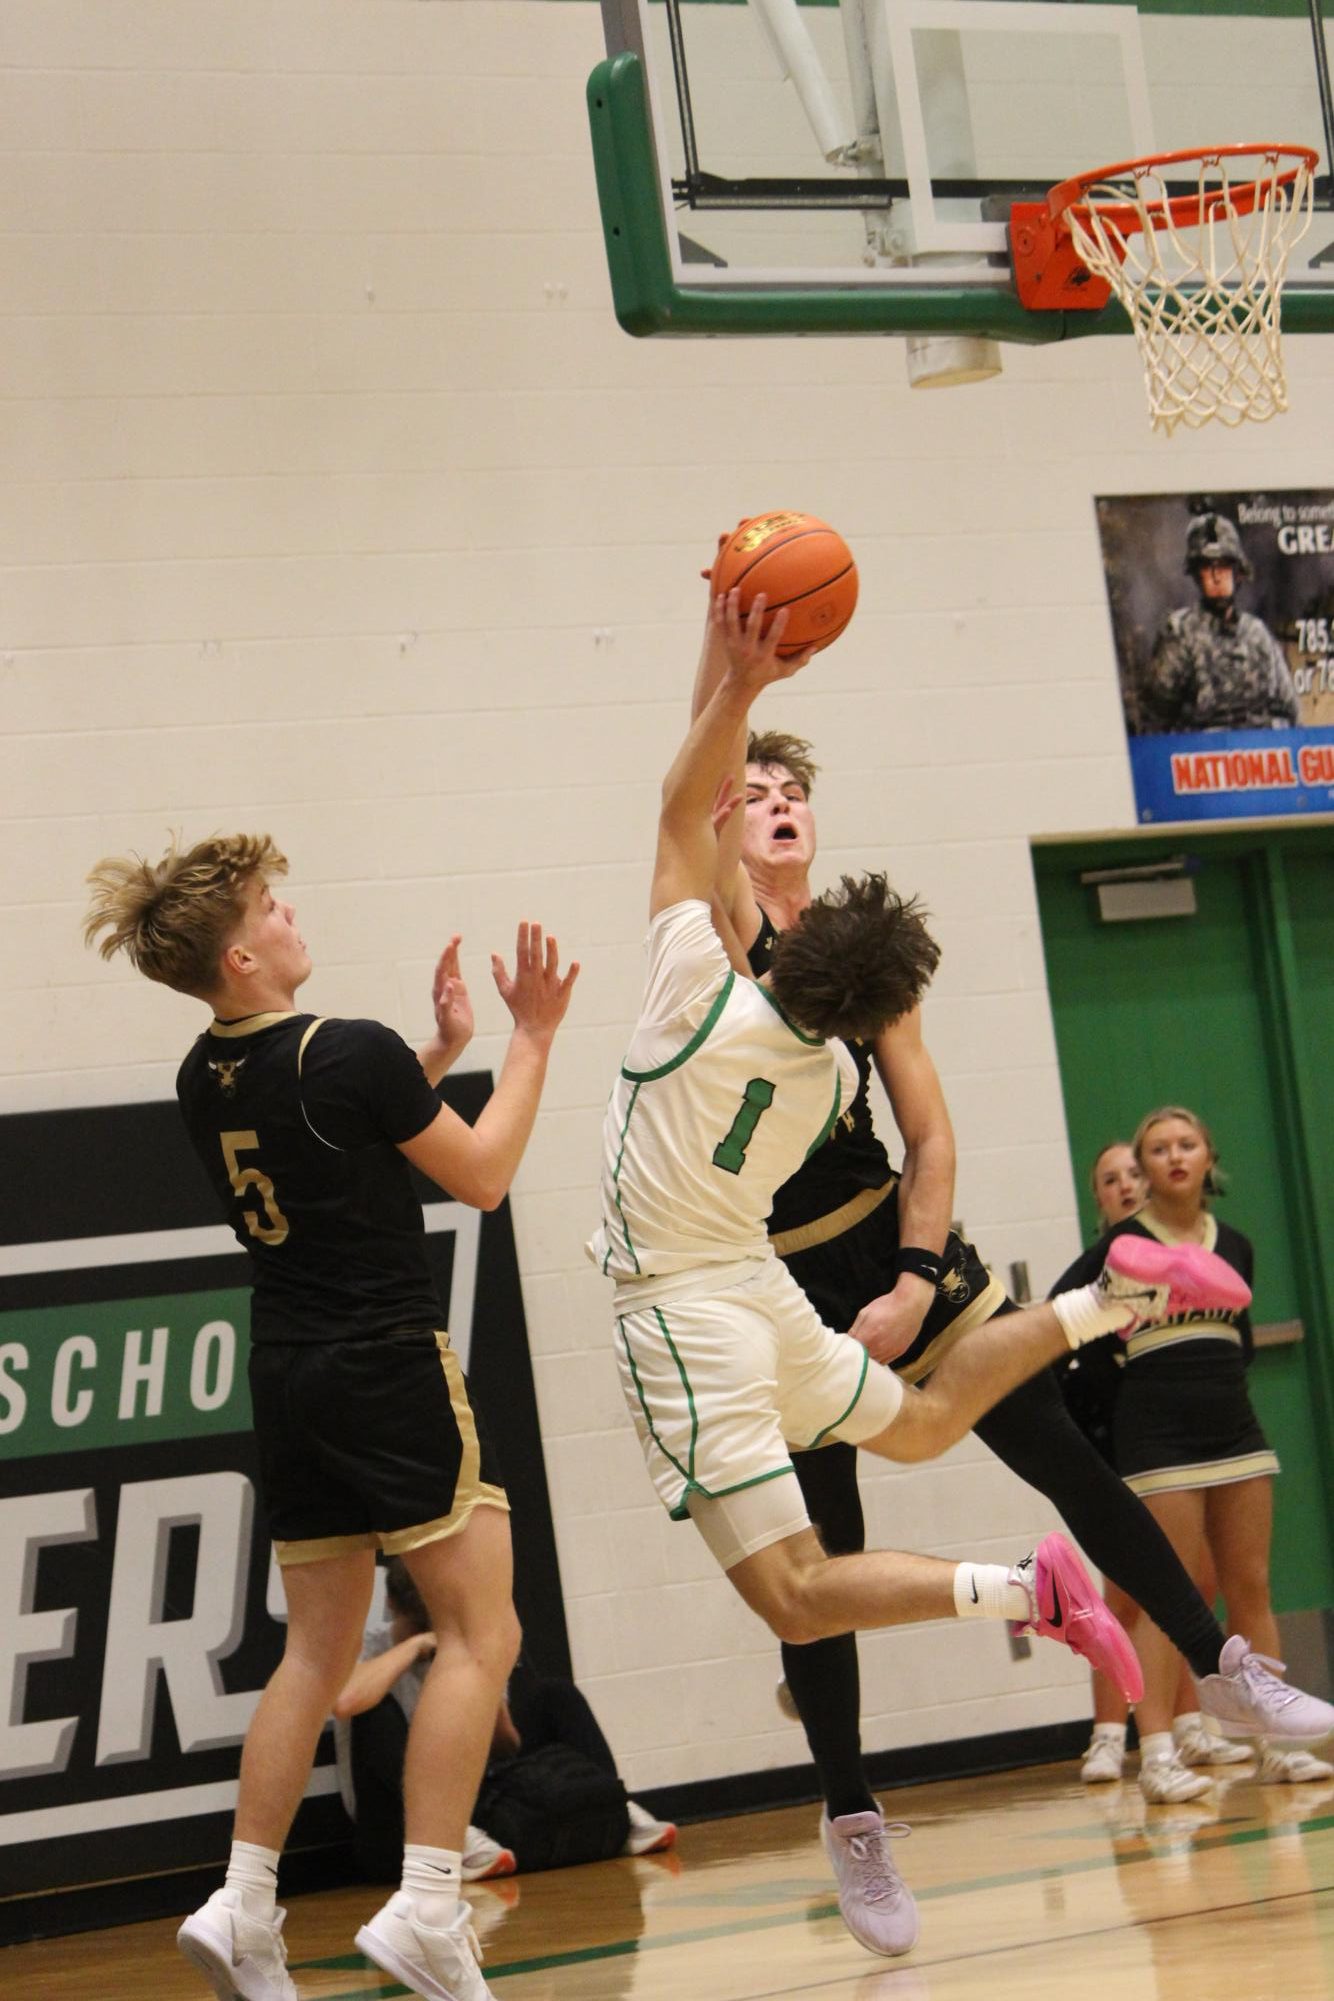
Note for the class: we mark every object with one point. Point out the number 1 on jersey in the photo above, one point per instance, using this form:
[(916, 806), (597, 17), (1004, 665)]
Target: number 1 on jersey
[(730, 1153)]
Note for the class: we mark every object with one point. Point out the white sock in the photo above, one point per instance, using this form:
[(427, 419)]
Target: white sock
[(1186, 1725), (988, 1591), (433, 1878), (1110, 1733), (1085, 1314), (1157, 1747), (254, 1872)]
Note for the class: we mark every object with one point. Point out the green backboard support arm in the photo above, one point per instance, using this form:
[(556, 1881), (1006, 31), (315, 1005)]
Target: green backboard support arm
[(649, 300)]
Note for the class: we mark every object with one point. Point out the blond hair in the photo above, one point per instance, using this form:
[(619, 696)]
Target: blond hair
[(768, 748), (1215, 1180), (174, 918)]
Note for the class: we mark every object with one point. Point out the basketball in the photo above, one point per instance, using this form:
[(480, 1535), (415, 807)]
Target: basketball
[(796, 561)]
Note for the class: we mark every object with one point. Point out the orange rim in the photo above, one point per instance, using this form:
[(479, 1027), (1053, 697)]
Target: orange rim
[(1181, 209)]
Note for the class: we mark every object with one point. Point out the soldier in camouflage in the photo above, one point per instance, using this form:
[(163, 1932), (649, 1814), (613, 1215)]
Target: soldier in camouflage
[(1215, 667)]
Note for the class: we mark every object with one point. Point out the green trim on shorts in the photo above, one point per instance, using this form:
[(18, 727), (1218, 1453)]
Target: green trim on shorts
[(616, 1189), (820, 1436), (690, 1396), (681, 1512), (705, 1028), (831, 1121), (648, 1416)]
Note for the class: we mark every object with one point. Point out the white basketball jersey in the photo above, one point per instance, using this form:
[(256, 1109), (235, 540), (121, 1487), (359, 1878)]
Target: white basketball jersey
[(719, 1100)]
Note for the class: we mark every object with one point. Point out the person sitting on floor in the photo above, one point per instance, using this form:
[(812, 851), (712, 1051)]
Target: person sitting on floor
[(371, 1718)]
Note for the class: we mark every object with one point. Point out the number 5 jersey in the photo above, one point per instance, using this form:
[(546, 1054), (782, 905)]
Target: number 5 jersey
[(297, 1121)]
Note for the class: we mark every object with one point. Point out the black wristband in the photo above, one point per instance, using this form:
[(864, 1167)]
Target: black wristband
[(929, 1265)]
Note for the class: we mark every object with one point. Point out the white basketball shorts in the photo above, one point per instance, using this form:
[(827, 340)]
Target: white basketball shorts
[(723, 1385)]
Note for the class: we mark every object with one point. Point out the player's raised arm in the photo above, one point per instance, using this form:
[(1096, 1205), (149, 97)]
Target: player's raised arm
[(687, 857), (477, 1163)]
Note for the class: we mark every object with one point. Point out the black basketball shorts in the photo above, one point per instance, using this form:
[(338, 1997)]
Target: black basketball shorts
[(368, 1444), (845, 1272)]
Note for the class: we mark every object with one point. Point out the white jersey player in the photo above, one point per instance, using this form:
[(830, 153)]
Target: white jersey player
[(723, 1361), (713, 1057)]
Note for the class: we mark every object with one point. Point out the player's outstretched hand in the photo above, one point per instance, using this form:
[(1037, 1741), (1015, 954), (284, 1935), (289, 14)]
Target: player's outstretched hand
[(537, 995), (752, 653), (450, 1001)]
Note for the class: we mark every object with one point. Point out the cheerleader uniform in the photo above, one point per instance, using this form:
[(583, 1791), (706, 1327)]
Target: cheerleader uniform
[(1183, 1417)]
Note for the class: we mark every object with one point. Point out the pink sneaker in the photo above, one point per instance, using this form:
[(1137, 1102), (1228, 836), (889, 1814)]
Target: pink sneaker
[(1067, 1608), (1157, 1280)]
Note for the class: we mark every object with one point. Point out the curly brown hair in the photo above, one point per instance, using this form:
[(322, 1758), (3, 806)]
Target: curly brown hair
[(174, 918), (768, 748), (856, 960)]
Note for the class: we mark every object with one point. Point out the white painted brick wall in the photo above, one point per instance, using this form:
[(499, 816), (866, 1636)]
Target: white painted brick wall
[(333, 501)]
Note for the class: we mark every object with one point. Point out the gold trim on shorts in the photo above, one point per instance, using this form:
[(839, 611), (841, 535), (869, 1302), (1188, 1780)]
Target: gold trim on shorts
[(977, 1310), (1211, 1473), (318, 1549), (470, 1491), (836, 1224)]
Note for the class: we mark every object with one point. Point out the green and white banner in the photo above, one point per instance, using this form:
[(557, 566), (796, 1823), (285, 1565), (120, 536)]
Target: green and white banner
[(140, 1611)]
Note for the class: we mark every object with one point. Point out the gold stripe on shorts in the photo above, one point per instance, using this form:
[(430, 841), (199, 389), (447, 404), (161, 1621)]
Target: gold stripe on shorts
[(836, 1224), (470, 1491), (318, 1549)]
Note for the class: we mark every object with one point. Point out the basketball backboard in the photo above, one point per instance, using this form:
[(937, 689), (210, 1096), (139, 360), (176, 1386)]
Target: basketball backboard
[(847, 166)]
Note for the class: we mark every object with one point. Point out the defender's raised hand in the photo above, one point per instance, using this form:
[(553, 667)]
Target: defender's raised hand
[(537, 994), (450, 1000)]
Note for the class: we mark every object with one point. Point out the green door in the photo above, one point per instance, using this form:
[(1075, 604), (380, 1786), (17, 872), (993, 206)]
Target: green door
[(1183, 1011)]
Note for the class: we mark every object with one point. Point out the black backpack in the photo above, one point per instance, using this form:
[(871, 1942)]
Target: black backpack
[(553, 1806)]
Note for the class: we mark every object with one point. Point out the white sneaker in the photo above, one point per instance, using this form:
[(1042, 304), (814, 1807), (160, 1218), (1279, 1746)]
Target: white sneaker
[(484, 1858), (877, 1905), (1202, 1747), (1291, 1767), (1166, 1782), (1247, 1699), (1103, 1761), (243, 1957), (648, 1836), (440, 1965)]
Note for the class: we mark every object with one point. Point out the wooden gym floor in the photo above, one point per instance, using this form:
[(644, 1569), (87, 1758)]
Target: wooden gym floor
[(1029, 1884)]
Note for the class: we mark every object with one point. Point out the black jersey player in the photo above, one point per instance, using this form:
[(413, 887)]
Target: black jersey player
[(367, 1439), (874, 1252)]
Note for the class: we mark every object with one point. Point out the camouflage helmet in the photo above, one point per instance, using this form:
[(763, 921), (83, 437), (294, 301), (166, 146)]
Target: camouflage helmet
[(1213, 538)]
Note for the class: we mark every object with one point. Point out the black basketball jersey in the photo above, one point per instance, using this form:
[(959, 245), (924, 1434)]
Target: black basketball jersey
[(852, 1158), (296, 1120)]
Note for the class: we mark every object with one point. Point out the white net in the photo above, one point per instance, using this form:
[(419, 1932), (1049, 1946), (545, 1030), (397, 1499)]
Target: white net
[(1201, 276)]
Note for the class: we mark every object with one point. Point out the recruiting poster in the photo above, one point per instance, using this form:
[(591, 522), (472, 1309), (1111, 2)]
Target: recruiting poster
[(1222, 611), (140, 1612)]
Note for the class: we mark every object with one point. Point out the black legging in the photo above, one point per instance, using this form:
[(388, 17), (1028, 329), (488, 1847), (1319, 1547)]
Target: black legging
[(1032, 1433)]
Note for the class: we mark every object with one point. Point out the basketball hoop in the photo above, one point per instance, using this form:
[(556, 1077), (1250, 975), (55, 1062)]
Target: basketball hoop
[(1200, 274)]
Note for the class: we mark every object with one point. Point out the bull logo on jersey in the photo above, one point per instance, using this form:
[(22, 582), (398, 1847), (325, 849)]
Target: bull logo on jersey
[(227, 1071)]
